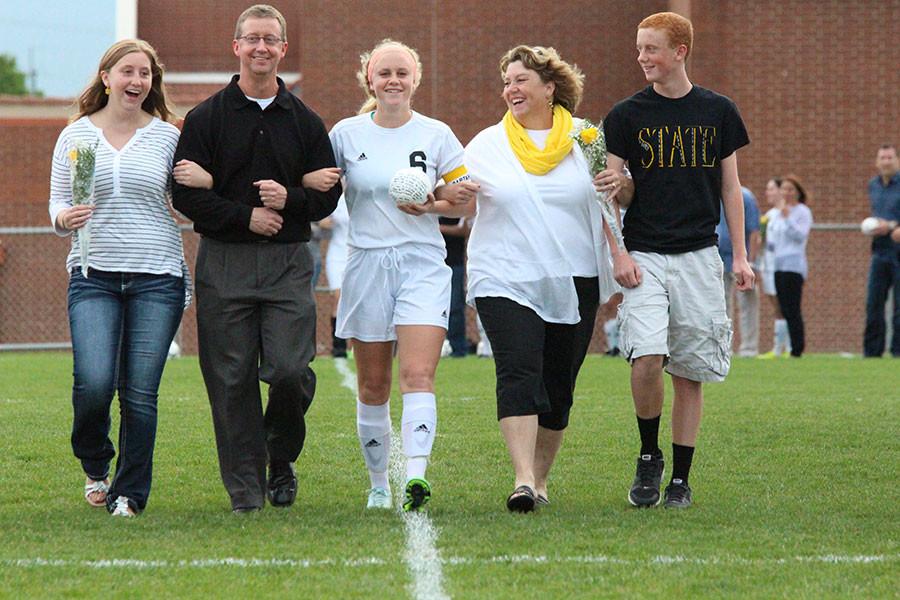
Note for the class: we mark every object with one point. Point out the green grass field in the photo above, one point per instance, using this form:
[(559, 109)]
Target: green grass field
[(795, 489)]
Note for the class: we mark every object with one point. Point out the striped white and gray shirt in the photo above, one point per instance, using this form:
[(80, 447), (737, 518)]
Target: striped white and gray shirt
[(132, 228)]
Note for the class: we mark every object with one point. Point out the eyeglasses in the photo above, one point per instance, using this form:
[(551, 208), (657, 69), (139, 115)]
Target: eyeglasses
[(253, 40)]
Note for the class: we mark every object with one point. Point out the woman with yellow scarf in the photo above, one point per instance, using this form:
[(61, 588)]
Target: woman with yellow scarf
[(538, 260)]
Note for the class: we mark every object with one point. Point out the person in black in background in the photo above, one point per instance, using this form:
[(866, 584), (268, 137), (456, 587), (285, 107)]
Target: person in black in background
[(455, 232)]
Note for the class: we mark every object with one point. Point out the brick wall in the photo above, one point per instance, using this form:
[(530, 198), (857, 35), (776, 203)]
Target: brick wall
[(817, 86), (816, 83)]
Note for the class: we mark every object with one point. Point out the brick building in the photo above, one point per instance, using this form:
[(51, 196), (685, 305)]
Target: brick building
[(813, 80)]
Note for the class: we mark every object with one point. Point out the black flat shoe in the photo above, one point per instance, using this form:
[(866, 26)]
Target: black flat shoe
[(521, 500), (282, 486), (245, 510)]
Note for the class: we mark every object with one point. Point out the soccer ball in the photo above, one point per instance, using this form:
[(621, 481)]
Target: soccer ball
[(410, 186), (174, 350), (869, 225)]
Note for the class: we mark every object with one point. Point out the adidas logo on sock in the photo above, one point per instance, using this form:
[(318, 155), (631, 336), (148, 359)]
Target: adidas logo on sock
[(677, 481), (362, 157), (373, 443), (421, 428)]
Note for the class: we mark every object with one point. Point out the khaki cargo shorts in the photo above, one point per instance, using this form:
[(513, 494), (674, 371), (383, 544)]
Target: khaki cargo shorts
[(678, 311)]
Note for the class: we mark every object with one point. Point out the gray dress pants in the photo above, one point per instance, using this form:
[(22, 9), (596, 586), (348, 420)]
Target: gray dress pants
[(256, 321)]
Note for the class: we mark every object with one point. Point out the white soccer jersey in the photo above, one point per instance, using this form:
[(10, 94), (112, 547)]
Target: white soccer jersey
[(370, 155)]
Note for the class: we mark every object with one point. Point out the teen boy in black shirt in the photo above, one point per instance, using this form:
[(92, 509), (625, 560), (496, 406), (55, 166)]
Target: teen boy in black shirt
[(679, 141)]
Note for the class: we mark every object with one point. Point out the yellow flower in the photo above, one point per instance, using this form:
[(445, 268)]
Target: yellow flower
[(764, 220), (588, 135), (73, 155)]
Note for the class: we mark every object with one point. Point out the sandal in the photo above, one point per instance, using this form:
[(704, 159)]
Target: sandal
[(122, 508), (521, 500), (542, 500), (95, 491)]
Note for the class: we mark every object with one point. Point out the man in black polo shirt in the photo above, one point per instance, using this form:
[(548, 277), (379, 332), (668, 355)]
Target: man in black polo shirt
[(256, 316)]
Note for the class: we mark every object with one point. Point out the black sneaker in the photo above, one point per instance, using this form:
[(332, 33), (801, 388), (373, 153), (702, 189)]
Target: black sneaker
[(282, 488), (678, 495), (645, 489)]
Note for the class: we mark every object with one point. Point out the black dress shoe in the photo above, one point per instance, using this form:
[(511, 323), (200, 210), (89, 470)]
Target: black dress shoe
[(243, 510), (282, 488)]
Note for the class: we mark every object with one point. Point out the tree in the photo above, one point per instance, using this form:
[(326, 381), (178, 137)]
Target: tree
[(12, 80)]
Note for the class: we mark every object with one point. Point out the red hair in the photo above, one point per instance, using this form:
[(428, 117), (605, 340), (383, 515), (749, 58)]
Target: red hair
[(679, 29)]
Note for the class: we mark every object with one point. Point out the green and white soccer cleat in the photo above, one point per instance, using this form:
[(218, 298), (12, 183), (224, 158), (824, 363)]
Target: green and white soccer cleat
[(380, 498), (418, 493)]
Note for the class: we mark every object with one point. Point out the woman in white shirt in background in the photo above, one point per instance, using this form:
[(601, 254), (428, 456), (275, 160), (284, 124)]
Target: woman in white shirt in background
[(124, 312), (792, 225), (538, 260), (396, 288), (781, 341)]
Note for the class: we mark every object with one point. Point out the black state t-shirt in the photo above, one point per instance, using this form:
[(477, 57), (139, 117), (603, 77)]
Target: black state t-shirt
[(674, 148)]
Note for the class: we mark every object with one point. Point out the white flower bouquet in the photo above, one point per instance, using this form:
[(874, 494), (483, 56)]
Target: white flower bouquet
[(592, 142), (82, 158)]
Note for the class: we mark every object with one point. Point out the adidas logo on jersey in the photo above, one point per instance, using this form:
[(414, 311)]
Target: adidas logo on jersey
[(373, 443), (362, 157)]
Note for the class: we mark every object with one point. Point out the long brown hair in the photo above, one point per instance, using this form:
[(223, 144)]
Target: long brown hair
[(94, 97), (802, 196)]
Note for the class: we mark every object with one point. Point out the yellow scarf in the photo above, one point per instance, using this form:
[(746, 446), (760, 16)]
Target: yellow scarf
[(559, 144)]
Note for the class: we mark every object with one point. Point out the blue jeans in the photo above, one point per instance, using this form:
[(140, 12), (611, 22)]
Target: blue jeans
[(122, 325), (884, 274)]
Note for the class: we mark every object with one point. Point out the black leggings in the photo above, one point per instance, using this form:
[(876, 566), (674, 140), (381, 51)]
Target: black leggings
[(789, 287), (537, 362)]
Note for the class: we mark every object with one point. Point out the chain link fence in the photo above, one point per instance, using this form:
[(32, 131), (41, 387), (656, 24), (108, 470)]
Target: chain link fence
[(33, 285)]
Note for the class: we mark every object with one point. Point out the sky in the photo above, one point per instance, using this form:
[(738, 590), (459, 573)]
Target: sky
[(65, 40)]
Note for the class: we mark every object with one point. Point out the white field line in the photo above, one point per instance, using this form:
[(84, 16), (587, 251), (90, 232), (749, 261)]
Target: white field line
[(349, 377), (514, 559), (422, 558)]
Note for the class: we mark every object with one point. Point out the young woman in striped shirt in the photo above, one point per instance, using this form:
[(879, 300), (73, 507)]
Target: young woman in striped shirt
[(124, 311)]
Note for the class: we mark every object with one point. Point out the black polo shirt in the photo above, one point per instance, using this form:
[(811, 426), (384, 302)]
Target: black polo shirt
[(239, 143)]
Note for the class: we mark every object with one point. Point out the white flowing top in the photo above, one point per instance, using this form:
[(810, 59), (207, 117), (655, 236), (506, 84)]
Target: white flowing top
[(132, 228), (521, 247)]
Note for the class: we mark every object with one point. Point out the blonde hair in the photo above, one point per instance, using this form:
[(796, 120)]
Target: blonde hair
[(261, 11), (568, 79), (362, 76), (94, 96), (678, 28)]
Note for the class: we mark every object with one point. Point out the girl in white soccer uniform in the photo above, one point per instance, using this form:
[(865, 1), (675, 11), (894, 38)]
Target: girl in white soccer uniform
[(396, 287)]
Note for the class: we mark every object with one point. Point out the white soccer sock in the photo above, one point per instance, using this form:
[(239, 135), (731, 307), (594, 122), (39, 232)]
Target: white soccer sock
[(782, 337), (373, 425), (418, 427)]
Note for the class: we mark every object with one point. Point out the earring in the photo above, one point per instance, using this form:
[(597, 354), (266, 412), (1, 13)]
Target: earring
[(106, 91), (550, 103)]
